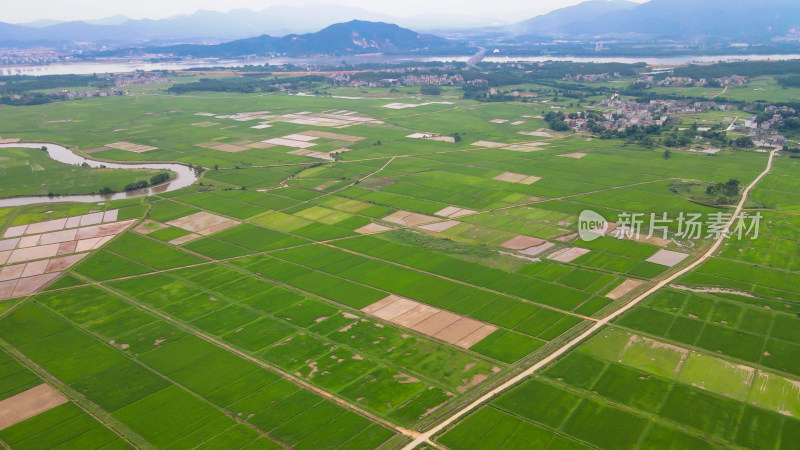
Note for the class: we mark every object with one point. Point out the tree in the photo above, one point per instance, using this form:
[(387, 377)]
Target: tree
[(731, 188), (744, 142), (137, 185), (791, 123), (666, 155), (159, 178)]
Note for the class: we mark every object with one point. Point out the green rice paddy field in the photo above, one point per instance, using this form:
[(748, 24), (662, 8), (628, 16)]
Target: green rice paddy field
[(255, 335)]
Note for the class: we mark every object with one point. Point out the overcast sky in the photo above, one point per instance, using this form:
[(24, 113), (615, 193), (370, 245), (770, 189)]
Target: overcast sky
[(17, 11)]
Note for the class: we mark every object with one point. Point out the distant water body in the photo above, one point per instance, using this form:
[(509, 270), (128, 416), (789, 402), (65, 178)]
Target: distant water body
[(85, 68)]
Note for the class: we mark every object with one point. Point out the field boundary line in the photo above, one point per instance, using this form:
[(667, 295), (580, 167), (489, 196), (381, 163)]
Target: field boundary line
[(300, 329), (231, 349), (427, 435), (441, 277), (135, 360), (95, 411)]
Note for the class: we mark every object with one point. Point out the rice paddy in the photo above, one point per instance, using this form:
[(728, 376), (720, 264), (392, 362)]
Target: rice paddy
[(348, 273)]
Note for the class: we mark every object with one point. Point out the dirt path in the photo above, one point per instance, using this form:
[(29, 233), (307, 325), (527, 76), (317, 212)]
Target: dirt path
[(733, 124), (721, 93), (233, 350), (77, 398), (425, 437)]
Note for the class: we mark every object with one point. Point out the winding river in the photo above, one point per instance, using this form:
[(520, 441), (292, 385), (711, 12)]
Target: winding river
[(185, 177)]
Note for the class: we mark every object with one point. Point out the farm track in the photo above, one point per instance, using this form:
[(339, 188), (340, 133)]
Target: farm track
[(425, 437), (233, 350), (416, 436)]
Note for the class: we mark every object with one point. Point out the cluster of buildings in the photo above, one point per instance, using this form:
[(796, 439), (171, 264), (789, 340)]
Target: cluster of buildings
[(83, 94), (615, 122), (25, 57), (769, 139), (590, 77), (625, 107), (94, 93), (779, 109), (733, 80), (432, 80), (682, 81), (413, 79), (494, 91), (763, 133), (140, 77), (671, 81), (627, 113)]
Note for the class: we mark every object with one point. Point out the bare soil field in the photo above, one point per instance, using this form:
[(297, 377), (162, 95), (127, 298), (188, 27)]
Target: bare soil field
[(538, 133), (333, 136), (438, 227), (30, 261), (229, 148), (624, 288), (131, 147), (449, 327), (538, 249), (454, 212), (202, 221), (568, 254), (489, 144), (522, 242), (573, 155), (409, 219), (667, 258), (27, 404), (372, 228)]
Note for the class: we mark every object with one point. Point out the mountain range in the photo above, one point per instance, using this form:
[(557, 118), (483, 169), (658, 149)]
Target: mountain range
[(353, 37), (205, 26), (684, 20), (289, 29)]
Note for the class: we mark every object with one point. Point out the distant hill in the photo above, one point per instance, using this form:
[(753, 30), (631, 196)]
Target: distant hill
[(563, 21), (683, 20), (199, 27), (205, 26), (354, 37)]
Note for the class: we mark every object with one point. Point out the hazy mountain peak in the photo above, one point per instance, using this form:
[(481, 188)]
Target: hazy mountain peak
[(556, 22)]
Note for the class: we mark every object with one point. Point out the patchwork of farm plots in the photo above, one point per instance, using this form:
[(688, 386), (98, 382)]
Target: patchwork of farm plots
[(710, 361), (352, 303)]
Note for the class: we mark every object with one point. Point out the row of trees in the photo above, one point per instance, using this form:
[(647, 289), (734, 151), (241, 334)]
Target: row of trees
[(156, 179), (247, 84), (20, 84)]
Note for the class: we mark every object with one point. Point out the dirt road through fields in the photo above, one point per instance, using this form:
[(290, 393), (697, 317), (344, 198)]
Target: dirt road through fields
[(422, 438)]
